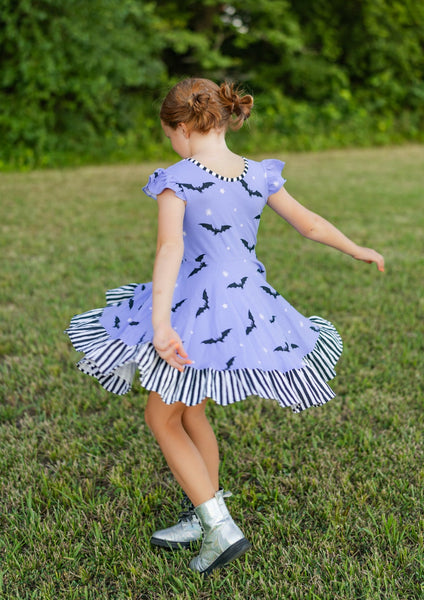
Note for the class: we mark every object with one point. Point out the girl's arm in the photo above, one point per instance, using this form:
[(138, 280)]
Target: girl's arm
[(169, 253), (315, 228)]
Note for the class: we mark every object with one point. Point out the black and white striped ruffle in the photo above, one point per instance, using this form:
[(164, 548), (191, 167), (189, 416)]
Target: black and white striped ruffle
[(113, 364)]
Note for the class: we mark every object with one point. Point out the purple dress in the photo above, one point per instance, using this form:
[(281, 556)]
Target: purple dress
[(244, 338)]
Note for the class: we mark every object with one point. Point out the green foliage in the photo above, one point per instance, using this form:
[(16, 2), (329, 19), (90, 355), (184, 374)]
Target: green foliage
[(67, 71), (82, 81)]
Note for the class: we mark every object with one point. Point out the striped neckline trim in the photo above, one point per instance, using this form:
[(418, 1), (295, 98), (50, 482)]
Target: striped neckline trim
[(221, 177)]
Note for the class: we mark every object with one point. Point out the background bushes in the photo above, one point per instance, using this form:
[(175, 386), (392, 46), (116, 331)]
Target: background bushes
[(82, 81)]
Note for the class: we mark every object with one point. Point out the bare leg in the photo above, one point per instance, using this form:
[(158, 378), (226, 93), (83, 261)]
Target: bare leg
[(181, 454), (203, 437)]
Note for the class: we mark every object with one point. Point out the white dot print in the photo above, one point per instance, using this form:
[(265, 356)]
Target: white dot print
[(225, 306), (275, 183), (225, 273), (301, 323), (261, 316), (228, 248), (235, 210), (222, 191), (208, 212)]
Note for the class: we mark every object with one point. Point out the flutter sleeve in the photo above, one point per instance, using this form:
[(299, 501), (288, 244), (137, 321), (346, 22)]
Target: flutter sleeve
[(161, 180), (273, 168)]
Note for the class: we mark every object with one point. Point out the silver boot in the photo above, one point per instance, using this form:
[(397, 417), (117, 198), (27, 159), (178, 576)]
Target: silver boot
[(187, 530), (181, 535), (223, 541)]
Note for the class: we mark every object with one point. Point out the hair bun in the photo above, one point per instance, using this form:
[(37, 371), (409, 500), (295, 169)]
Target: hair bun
[(236, 102), (198, 102), (203, 105)]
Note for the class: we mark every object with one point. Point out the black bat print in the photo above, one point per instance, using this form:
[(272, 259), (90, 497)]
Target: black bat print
[(230, 362), (210, 227), (205, 305), (143, 287), (252, 325), (315, 328), (141, 339), (218, 339), (251, 192), (174, 308), (284, 348), (131, 302), (294, 346), (200, 267), (238, 285), (246, 244), (260, 270), (199, 188), (117, 321), (272, 319), (258, 217), (156, 174), (133, 323), (269, 291)]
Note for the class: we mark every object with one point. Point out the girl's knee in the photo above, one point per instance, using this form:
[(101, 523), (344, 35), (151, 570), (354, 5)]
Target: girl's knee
[(148, 417), (192, 414), (158, 415)]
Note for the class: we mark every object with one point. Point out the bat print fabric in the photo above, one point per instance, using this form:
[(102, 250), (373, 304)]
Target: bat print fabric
[(243, 337)]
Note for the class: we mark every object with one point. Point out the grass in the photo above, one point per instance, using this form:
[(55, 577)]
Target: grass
[(332, 499)]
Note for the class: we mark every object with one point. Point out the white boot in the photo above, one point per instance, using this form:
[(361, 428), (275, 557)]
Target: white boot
[(187, 530), (223, 541)]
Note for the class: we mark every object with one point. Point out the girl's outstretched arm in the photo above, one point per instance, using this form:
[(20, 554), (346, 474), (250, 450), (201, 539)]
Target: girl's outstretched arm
[(169, 253), (315, 228)]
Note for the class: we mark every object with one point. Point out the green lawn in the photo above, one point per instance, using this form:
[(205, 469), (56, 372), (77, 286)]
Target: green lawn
[(331, 499)]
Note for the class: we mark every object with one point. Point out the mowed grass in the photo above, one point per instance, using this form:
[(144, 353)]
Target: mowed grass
[(331, 499)]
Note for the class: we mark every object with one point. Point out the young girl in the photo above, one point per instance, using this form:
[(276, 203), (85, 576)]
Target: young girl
[(210, 325)]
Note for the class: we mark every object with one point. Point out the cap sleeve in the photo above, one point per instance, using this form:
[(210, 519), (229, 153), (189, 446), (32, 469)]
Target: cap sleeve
[(161, 180), (274, 179)]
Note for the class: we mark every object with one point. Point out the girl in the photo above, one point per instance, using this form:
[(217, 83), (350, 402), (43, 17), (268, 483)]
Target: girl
[(209, 325)]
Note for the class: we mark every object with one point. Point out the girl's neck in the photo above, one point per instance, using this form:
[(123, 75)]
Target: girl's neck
[(208, 144), (212, 151)]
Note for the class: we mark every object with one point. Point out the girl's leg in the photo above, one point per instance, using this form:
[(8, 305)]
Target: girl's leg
[(180, 452), (203, 437)]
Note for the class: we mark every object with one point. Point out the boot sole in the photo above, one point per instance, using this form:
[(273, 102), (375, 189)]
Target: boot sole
[(230, 554), (171, 545)]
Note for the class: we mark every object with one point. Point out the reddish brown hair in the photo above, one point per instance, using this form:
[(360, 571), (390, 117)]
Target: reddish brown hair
[(203, 105)]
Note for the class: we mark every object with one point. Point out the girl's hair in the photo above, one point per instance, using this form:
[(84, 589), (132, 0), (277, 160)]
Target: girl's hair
[(203, 105)]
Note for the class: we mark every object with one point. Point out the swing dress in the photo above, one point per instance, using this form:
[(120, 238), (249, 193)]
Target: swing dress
[(243, 337)]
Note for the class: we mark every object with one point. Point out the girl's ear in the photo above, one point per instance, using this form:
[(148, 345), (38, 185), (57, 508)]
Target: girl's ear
[(185, 130)]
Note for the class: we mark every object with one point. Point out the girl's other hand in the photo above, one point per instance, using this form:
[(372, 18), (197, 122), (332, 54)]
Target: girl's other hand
[(168, 345), (369, 255)]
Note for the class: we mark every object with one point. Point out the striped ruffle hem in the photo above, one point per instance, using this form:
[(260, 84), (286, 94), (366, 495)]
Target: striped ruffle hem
[(114, 365)]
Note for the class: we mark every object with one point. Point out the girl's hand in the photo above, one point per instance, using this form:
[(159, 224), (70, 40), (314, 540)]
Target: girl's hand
[(369, 255), (168, 345)]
